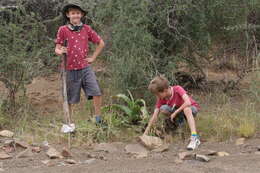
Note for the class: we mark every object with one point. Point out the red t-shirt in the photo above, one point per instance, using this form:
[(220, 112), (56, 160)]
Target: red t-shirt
[(176, 99), (77, 45)]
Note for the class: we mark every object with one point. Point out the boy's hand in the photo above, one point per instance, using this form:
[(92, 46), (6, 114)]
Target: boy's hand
[(90, 59), (61, 50), (173, 116)]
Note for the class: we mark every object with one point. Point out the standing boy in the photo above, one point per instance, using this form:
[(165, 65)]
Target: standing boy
[(173, 101), (76, 36)]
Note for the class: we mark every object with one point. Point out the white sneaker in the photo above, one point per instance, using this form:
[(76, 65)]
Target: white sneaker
[(194, 143), (67, 128)]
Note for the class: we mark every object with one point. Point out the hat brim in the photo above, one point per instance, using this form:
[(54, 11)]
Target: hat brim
[(66, 8)]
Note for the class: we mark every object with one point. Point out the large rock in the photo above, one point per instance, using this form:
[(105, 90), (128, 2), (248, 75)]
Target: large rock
[(151, 142), (105, 147), (136, 150), (6, 133)]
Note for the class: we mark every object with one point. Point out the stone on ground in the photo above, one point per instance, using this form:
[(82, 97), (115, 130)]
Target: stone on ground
[(6, 133), (136, 150), (105, 147), (52, 153), (151, 142)]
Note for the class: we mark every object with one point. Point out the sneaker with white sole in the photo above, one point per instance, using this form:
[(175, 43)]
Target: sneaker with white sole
[(194, 143)]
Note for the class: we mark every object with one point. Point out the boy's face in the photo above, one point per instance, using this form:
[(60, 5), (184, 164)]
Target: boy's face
[(164, 95), (75, 16)]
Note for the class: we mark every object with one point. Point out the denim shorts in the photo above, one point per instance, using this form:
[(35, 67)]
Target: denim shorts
[(179, 119), (84, 78)]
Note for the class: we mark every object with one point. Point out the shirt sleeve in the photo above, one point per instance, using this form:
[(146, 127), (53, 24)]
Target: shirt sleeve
[(158, 103), (180, 90), (60, 36), (93, 36)]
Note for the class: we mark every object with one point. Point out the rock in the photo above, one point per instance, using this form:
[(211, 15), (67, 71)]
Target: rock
[(178, 161), (8, 149), (66, 153), (257, 152), (105, 147), (162, 148), (4, 156), (24, 154), (52, 153), (202, 158), (9, 142), (45, 146), (2, 170), (36, 149), (89, 161), (151, 142), (258, 148), (6, 133), (222, 154), (45, 161), (137, 150), (186, 155), (21, 144), (70, 161), (240, 141)]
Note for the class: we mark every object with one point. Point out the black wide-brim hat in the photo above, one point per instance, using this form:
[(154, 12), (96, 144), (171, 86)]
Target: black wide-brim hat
[(66, 8)]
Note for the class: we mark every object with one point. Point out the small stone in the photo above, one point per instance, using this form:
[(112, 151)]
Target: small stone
[(52, 153), (258, 148), (4, 156), (178, 161), (105, 147), (257, 152), (202, 158), (21, 144), (8, 149), (222, 154), (137, 150), (45, 161), (6, 133), (70, 161), (24, 154), (186, 155), (162, 148), (9, 142), (36, 149), (240, 141), (66, 153), (102, 158), (89, 161)]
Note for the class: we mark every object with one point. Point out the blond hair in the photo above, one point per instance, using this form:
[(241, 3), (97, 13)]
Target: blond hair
[(158, 84)]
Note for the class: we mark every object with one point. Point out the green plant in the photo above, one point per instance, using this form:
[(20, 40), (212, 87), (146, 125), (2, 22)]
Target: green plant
[(21, 42), (134, 110)]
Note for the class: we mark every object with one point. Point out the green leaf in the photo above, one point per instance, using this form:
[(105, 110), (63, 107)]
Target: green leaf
[(123, 108)]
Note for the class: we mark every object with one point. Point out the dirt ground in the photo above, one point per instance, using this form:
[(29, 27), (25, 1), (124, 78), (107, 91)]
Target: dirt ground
[(45, 94), (242, 158)]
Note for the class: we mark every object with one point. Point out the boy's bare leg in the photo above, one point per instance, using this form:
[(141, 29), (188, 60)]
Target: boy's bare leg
[(188, 113), (97, 100), (70, 112)]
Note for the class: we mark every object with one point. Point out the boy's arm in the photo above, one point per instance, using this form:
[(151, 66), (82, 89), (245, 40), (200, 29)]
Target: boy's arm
[(152, 120), (99, 48), (186, 103)]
